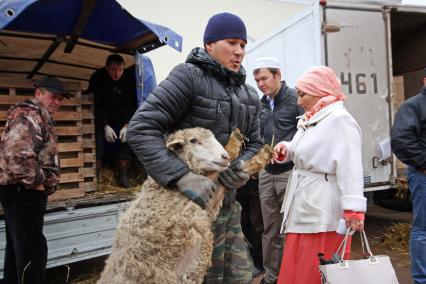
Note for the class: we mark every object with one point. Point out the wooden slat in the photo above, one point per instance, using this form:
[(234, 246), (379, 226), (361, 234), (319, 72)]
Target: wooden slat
[(59, 116), (70, 147), (63, 131), (11, 100), (66, 194), (88, 143), (71, 177), (88, 129), (88, 114), (89, 186), (67, 116), (68, 130), (89, 157), (3, 115), (28, 84), (89, 172), (87, 100), (72, 162)]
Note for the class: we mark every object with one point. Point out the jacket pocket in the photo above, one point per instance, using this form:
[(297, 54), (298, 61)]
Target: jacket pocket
[(307, 206)]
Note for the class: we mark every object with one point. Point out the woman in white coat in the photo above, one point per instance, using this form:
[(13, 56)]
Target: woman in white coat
[(326, 186)]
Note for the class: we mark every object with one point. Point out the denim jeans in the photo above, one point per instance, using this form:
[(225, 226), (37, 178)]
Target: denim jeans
[(417, 186)]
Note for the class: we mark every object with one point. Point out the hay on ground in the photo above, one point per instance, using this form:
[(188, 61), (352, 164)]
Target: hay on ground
[(396, 237), (401, 188)]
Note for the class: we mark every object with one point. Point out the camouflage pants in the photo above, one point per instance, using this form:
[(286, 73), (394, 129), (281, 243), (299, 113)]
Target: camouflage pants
[(231, 262)]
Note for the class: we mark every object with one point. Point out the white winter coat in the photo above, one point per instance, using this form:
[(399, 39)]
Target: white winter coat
[(328, 175)]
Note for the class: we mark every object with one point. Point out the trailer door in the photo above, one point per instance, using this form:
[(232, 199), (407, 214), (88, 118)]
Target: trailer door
[(356, 48)]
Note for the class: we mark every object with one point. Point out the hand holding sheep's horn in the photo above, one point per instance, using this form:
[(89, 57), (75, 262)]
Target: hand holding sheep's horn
[(196, 187), (234, 176)]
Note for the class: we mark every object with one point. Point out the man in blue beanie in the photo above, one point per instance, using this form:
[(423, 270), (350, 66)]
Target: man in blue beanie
[(208, 91)]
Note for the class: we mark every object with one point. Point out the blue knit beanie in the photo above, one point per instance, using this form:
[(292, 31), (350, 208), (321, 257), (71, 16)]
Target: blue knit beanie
[(223, 26)]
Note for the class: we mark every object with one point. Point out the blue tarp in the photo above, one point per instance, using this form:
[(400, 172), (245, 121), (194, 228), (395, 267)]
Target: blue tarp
[(108, 22), (145, 77)]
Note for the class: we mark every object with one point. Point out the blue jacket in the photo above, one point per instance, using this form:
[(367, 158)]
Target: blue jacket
[(408, 138)]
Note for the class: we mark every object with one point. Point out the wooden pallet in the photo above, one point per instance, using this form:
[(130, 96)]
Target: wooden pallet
[(89, 151), (74, 124)]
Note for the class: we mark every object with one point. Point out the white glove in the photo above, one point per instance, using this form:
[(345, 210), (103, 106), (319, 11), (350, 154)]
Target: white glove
[(110, 135), (123, 133)]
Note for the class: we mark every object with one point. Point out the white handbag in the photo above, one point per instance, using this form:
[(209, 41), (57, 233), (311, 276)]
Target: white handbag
[(374, 269)]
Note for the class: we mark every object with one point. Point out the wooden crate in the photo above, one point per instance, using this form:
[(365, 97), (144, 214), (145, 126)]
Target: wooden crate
[(89, 152), (75, 130)]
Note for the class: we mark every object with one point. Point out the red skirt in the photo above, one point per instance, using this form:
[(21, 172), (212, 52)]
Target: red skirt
[(300, 261)]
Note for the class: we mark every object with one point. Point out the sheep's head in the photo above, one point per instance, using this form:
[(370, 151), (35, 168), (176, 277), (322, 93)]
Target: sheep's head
[(199, 149)]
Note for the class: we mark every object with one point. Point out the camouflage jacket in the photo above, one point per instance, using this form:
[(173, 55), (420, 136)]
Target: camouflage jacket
[(28, 147)]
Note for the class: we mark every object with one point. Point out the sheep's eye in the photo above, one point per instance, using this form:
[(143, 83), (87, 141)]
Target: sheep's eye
[(193, 140)]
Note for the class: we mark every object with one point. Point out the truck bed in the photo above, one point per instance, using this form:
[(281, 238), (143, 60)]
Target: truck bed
[(78, 229)]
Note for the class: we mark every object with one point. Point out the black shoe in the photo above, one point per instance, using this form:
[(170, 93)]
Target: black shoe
[(122, 178)]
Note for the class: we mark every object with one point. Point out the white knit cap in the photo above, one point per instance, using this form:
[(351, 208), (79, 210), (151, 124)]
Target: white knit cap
[(266, 62)]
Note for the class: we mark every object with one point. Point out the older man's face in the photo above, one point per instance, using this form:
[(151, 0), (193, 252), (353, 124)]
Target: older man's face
[(50, 101), (228, 52)]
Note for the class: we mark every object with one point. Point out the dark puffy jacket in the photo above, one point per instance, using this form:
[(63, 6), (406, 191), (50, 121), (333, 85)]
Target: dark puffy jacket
[(115, 101), (280, 122), (201, 93), (409, 131)]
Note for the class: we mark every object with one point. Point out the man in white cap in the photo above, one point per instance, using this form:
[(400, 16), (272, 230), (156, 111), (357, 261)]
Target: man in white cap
[(277, 123)]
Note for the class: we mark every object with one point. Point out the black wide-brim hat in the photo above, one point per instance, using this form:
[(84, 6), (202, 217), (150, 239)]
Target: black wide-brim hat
[(53, 85)]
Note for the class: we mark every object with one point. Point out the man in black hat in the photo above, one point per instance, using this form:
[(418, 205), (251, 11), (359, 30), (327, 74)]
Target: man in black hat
[(209, 91), (29, 172)]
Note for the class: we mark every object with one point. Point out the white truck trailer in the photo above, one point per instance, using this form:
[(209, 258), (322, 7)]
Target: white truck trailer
[(374, 47)]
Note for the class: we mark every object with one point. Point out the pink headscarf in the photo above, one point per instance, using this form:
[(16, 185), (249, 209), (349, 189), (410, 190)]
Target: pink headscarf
[(320, 81)]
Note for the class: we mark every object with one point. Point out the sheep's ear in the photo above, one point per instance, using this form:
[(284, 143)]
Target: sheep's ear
[(175, 145)]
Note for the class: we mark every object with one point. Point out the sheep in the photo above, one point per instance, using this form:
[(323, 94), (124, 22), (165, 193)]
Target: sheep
[(164, 237)]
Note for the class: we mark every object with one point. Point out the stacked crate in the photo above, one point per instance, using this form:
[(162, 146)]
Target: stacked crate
[(88, 132), (74, 128)]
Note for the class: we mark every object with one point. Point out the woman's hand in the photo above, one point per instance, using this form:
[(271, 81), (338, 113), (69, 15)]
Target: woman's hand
[(280, 151), (355, 225), (354, 220)]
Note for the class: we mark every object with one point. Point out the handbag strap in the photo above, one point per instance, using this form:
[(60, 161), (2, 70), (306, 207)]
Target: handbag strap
[(364, 241), (364, 244), (342, 247)]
